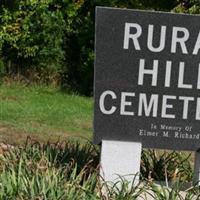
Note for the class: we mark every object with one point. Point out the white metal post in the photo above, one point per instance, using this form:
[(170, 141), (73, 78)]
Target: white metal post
[(119, 158)]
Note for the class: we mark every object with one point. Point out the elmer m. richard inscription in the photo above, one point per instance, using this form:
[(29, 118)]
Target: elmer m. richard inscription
[(147, 78)]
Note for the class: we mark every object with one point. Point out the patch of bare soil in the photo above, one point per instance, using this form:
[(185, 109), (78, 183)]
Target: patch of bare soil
[(10, 135), (10, 98)]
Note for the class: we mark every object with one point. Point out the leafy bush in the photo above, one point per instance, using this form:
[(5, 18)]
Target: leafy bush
[(51, 171), (69, 171), (166, 166)]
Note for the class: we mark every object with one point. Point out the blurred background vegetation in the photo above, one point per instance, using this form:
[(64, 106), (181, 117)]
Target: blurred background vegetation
[(52, 41)]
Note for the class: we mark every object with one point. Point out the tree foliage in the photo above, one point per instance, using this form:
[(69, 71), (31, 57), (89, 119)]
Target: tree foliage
[(188, 6), (31, 36)]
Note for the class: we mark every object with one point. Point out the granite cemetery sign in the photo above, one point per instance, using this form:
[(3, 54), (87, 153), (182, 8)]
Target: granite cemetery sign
[(147, 78)]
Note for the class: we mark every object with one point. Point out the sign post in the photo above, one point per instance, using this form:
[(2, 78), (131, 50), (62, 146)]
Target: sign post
[(120, 160), (147, 86), (196, 178)]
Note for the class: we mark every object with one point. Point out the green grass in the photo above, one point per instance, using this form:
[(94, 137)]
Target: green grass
[(43, 112)]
